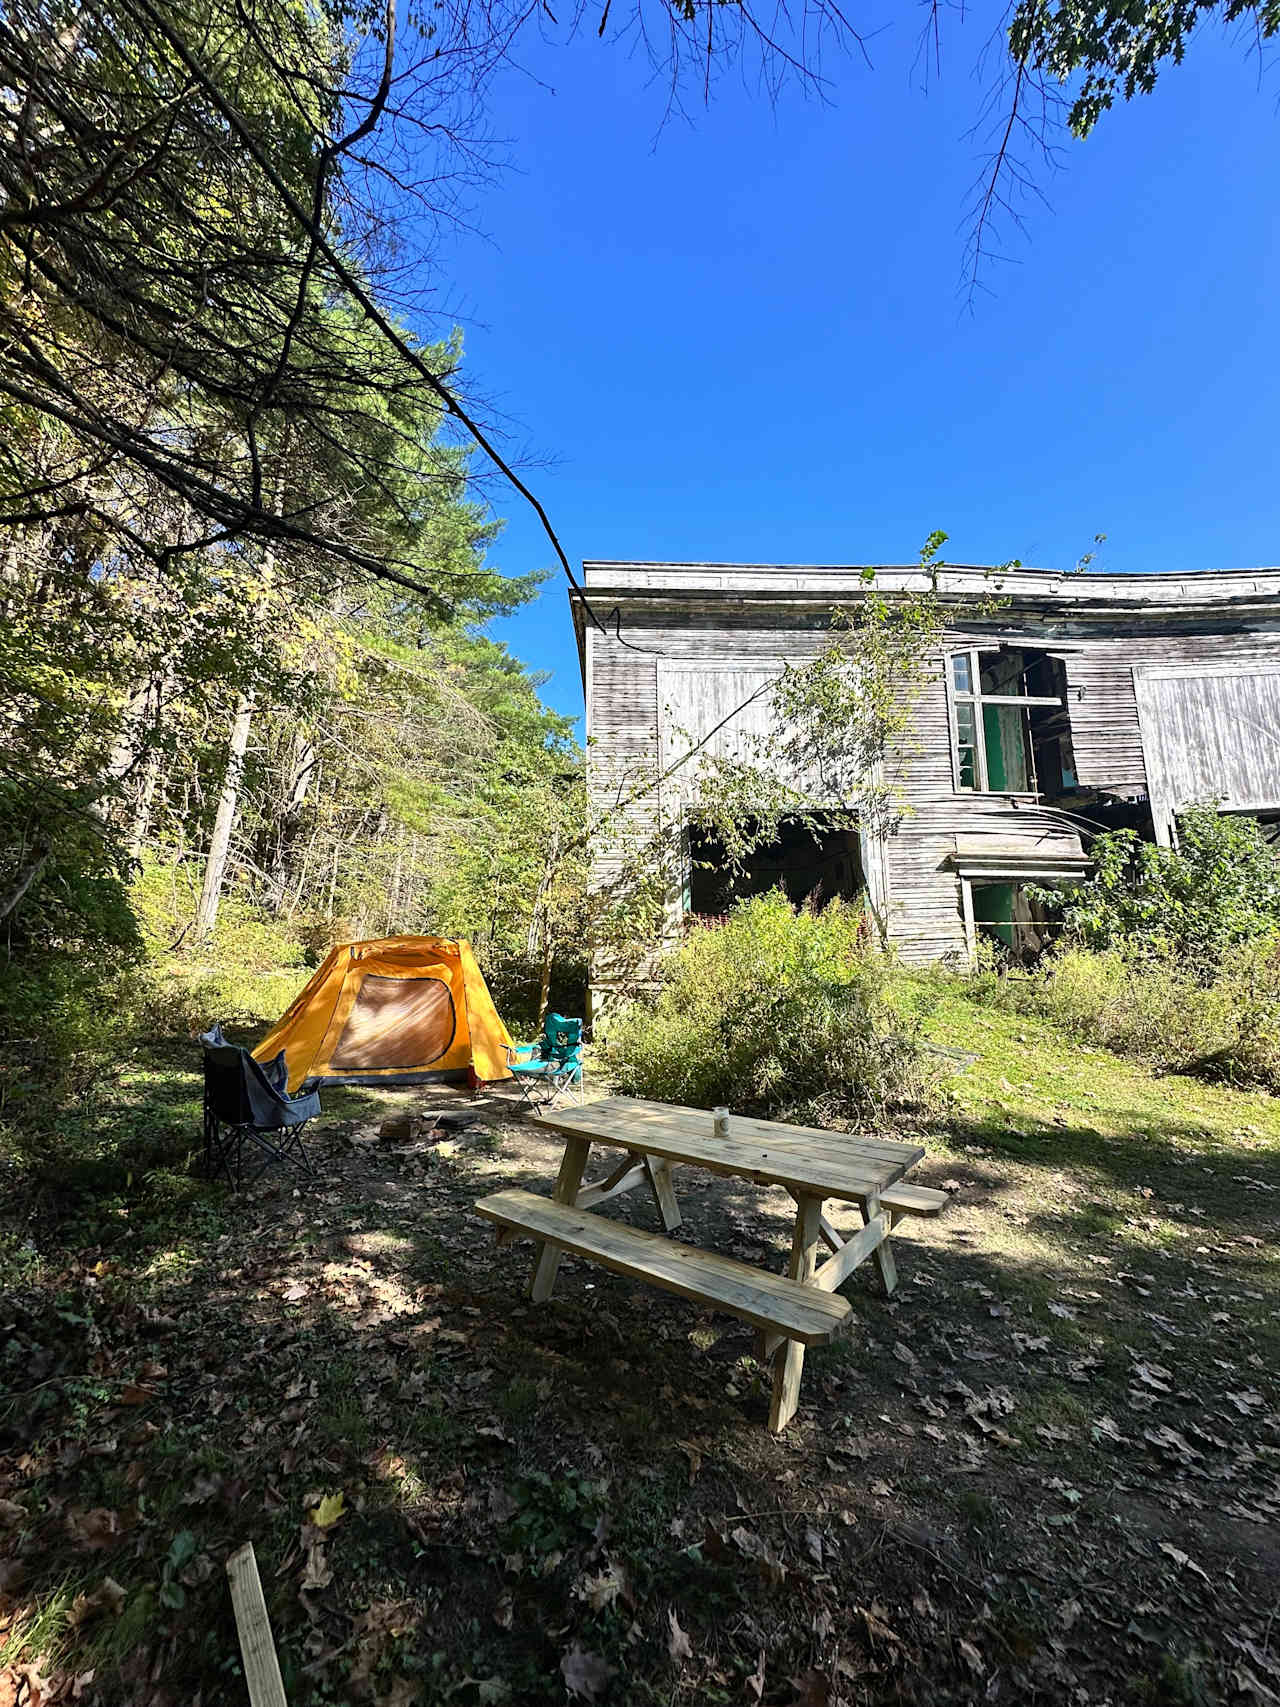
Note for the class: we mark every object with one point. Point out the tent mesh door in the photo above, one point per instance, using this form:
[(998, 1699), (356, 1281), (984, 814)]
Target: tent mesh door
[(396, 1022)]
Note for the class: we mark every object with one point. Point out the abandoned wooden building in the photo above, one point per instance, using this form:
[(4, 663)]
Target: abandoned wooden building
[(1076, 702)]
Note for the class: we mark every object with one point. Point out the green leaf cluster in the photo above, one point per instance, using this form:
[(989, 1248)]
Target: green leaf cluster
[(777, 1013), (1219, 887)]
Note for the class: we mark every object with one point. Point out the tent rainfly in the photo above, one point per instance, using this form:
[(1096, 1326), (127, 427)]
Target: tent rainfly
[(404, 1010)]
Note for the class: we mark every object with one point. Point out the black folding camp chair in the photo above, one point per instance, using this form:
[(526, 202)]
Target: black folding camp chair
[(248, 1109)]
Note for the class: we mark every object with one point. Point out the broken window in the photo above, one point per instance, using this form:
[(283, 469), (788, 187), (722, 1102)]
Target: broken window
[(1010, 730), (811, 862)]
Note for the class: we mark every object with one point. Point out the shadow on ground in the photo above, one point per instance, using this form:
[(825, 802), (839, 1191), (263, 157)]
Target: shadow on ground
[(1047, 1468)]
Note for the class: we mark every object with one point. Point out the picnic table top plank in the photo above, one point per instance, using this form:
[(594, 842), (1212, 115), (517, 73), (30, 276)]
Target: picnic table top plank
[(801, 1158), (744, 1125)]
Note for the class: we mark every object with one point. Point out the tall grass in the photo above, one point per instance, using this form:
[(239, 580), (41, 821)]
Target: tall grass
[(1160, 1010), (99, 1070)]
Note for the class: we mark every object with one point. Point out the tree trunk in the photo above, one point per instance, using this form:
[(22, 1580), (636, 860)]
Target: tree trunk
[(25, 878), (393, 896), (216, 865), (544, 995), (158, 695), (140, 821), (124, 748), (17, 552), (225, 821), (540, 923), (413, 873), (283, 861), (303, 866)]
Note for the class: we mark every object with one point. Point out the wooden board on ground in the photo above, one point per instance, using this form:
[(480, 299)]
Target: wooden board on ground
[(261, 1667)]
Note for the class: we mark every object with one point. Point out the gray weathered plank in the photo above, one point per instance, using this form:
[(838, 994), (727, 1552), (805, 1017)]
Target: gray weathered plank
[(253, 1627)]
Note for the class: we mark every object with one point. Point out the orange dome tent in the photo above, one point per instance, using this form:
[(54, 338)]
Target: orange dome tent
[(405, 1010)]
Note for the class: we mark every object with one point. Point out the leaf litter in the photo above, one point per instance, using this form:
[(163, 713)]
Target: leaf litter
[(404, 1401)]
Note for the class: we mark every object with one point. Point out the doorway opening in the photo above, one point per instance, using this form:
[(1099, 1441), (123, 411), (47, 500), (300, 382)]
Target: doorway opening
[(1017, 922)]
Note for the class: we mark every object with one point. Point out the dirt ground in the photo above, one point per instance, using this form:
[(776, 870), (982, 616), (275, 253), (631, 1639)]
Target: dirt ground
[(1047, 1469)]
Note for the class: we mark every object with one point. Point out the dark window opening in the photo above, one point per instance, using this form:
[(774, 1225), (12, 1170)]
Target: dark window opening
[(1119, 812), (1020, 926), (1011, 731), (811, 864)]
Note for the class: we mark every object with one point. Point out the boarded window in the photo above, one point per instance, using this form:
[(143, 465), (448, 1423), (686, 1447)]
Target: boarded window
[(1210, 732)]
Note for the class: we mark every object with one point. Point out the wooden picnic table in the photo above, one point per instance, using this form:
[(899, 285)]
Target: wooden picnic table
[(811, 1164)]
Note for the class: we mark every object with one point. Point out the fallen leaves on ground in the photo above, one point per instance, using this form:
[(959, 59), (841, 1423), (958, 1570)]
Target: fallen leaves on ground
[(679, 1647), (359, 1358), (585, 1675)]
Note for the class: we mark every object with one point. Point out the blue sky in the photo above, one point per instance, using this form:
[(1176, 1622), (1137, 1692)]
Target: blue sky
[(746, 338)]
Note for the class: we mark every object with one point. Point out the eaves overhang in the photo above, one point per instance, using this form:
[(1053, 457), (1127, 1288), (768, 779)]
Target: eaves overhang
[(611, 589)]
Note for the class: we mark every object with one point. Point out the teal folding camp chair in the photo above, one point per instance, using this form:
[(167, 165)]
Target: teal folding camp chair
[(551, 1068)]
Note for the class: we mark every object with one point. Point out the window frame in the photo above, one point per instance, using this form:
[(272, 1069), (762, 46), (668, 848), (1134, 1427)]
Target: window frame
[(974, 696)]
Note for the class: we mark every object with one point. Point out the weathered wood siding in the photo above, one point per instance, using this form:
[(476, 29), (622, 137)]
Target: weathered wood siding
[(721, 706), (622, 733), (1105, 727), (1210, 732), (704, 638), (924, 893)]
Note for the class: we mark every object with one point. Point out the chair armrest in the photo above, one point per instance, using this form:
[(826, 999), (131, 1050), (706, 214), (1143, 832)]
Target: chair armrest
[(303, 1105)]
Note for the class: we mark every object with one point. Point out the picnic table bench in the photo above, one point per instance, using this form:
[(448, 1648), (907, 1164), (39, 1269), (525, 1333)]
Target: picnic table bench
[(793, 1311)]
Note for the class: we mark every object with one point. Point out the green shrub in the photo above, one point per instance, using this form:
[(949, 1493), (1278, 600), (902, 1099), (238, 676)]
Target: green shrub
[(175, 999), (1171, 955), (1195, 903), (516, 985), (163, 895), (65, 947), (244, 973), (774, 1013)]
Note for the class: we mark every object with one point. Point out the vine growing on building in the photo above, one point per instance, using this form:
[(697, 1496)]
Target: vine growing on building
[(839, 737)]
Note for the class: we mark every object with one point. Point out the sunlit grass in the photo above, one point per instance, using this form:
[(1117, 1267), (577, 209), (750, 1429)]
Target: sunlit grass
[(37, 1628), (1030, 1082)]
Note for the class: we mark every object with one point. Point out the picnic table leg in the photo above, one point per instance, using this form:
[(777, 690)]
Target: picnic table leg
[(790, 1360), (658, 1170), (883, 1253), (547, 1260)]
